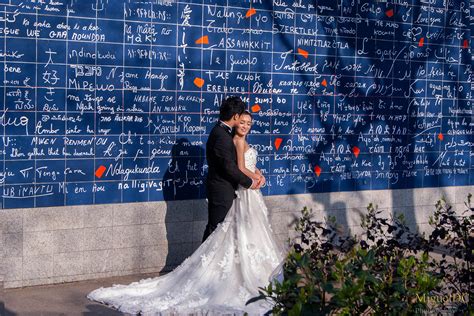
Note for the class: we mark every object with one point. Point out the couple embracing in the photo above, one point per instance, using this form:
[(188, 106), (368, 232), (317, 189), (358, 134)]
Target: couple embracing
[(239, 253)]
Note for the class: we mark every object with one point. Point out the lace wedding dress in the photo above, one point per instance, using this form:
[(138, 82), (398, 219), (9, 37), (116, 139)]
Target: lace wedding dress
[(220, 276)]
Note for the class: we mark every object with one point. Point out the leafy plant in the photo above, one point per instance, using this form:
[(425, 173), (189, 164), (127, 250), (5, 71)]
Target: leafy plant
[(387, 270), (453, 234)]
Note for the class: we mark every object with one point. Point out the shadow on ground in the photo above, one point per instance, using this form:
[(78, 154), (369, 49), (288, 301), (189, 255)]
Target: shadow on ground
[(93, 310), (5, 311)]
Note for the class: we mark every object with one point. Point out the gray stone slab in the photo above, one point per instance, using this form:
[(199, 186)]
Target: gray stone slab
[(38, 243), (198, 231), (98, 238), (2, 268), (200, 212), (37, 267), (153, 256), (317, 214), (1, 245), (98, 215), (282, 222), (153, 213), (127, 214), (13, 269), (68, 278), (321, 199), (180, 252), (276, 204), (385, 212), (416, 216), (128, 259), (381, 198), (127, 236), (179, 211), (429, 197), (98, 261), (52, 218), (345, 218), (297, 202), (66, 264), (425, 228), (355, 215), (68, 240), (462, 209), (40, 281), (12, 245), (356, 230), (342, 200), (41, 219), (402, 198), (413, 214), (461, 193), (72, 243), (13, 284), (449, 194), (152, 272), (179, 232), (11, 221), (153, 234), (68, 217), (282, 239)]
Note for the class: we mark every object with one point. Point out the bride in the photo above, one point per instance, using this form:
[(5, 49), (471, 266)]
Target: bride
[(240, 256)]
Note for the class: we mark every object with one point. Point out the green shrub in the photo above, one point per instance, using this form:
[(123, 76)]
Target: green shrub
[(387, 270), (453, 235)]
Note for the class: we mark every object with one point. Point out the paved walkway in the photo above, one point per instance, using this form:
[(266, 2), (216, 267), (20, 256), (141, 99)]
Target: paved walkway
[(62, 299)]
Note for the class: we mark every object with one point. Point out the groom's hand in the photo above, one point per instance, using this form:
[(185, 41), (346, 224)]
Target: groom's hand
[(255, 184), (261, 181)]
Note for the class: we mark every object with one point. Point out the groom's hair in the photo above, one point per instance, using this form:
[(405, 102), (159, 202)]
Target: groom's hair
[(230, 107)]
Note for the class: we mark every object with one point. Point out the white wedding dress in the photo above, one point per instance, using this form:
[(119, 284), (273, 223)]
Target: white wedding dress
[(240, 256)]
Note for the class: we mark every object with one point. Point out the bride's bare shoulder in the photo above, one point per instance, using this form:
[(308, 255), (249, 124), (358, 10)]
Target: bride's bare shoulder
[(238, 141), (241, 144), (247, 146)]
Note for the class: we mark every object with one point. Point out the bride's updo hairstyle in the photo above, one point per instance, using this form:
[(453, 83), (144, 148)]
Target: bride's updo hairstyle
[(248, 113)]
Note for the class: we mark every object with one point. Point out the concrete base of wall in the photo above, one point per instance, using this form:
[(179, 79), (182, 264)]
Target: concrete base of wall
[(64, 244)]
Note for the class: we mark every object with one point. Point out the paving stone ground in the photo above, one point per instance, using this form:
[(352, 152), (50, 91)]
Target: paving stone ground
[(61, 299)]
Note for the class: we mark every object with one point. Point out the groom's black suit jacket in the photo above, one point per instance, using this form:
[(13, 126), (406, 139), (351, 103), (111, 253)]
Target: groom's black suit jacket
[(224, 175)]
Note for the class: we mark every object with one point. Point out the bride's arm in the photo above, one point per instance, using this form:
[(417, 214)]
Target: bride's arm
[(240, 147)]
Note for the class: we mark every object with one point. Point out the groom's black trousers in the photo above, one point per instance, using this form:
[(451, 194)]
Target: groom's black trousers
[(217, 210)]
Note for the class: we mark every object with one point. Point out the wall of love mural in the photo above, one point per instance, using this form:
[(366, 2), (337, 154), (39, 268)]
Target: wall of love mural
[(112, 101)]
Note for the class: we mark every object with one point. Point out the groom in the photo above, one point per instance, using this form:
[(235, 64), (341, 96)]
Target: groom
[(224, 175)]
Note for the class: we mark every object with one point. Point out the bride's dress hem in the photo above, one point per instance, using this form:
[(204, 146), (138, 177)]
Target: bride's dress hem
[(227, 270)]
